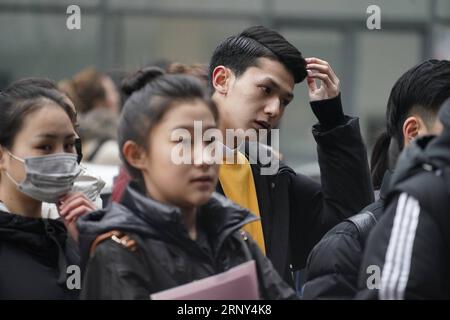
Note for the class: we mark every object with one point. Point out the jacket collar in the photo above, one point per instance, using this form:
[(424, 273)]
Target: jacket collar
[(427, 150), (219, 217)]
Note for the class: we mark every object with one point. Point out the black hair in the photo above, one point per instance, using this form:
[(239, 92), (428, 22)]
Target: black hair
[(23, 97), (379, 159), (151, 93), (421, 90), (49, 84), (242, 51)]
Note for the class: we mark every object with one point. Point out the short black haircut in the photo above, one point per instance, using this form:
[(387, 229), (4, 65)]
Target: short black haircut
[(421, 90), (242, 51)]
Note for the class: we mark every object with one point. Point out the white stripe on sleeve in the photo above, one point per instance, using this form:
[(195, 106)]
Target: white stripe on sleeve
[(398, 255)]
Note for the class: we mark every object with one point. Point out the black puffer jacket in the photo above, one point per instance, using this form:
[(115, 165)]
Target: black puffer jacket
[(166, 257), (34, 256), (333, 266), (408, 252)]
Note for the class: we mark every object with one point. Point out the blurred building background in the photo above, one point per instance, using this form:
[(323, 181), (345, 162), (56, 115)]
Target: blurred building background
[(119, 35)]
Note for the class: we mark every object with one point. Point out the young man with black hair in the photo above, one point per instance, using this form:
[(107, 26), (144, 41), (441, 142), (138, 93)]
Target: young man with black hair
[(414, 102), (407, 252), (253, 75)]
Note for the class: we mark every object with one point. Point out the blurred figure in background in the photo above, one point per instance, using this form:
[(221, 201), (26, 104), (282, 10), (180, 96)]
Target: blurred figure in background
[(97, 102)]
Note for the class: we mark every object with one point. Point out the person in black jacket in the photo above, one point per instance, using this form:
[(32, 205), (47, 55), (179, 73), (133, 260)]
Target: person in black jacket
[(253, 75), (168, 230), (38, 163), (408, 250), (334, 263)]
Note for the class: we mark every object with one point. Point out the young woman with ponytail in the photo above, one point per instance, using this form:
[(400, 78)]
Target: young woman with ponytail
[(169, 228)]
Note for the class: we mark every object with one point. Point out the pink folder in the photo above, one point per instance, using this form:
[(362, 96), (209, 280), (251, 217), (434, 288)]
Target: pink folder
[(238, 283)]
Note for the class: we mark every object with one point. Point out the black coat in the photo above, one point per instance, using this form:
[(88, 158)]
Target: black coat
[(166, 256), (295, 210), (333, 266), (34, 256), (411, 243)]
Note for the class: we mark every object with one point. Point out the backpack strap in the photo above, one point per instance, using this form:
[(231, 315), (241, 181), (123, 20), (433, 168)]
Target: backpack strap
[(117, 236), (364, 222)]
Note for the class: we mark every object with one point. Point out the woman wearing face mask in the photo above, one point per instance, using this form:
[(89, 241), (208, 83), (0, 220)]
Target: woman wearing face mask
[(88, 185), (168, 229), (38, 163)]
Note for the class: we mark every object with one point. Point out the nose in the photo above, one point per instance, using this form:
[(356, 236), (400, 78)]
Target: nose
[(202, 156), (60, 149), (273, 107)]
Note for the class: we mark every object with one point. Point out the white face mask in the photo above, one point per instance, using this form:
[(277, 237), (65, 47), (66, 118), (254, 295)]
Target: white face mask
[(89, 185), (48, 178)]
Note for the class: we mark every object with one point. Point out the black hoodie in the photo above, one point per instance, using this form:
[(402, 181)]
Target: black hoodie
[(411, 243), (166, 255), (34, 256)]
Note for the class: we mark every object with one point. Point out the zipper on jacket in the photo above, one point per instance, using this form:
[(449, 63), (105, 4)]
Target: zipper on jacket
[(62, 263)]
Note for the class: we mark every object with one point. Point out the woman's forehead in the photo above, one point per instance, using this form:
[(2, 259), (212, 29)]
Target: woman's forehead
[(49, 119)]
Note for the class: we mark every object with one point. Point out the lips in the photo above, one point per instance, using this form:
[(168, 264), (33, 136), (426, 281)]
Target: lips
[(203, 179), (263, 124)]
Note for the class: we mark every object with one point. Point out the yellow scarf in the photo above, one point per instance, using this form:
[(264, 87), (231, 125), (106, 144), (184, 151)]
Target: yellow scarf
[(238, 185)]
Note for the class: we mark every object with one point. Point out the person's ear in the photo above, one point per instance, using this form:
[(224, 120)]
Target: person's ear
[(135, 155), (411, 129), (221, 78)]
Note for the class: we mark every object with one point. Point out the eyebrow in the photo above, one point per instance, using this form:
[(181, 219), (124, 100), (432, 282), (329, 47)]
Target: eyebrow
[(55, 136), (191, 127), (289, 95)]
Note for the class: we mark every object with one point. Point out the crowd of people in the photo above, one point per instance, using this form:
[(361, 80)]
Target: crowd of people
[(168, 224)]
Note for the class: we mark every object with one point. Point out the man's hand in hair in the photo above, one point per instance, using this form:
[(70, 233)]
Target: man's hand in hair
[(329, 85)]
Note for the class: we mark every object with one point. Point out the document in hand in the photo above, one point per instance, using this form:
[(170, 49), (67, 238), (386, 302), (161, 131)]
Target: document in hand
[(238, 283)]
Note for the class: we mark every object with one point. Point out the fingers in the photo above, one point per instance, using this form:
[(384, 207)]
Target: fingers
[(72, 197), (321, 66), (79, 211), (69, 197), (69, 206), (311, 83), (321, 69), (73, 202), (315, 60), (321, 76)]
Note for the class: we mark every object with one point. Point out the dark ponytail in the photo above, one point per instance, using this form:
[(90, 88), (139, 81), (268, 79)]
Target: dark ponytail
[(379, 161), (139, 79)]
